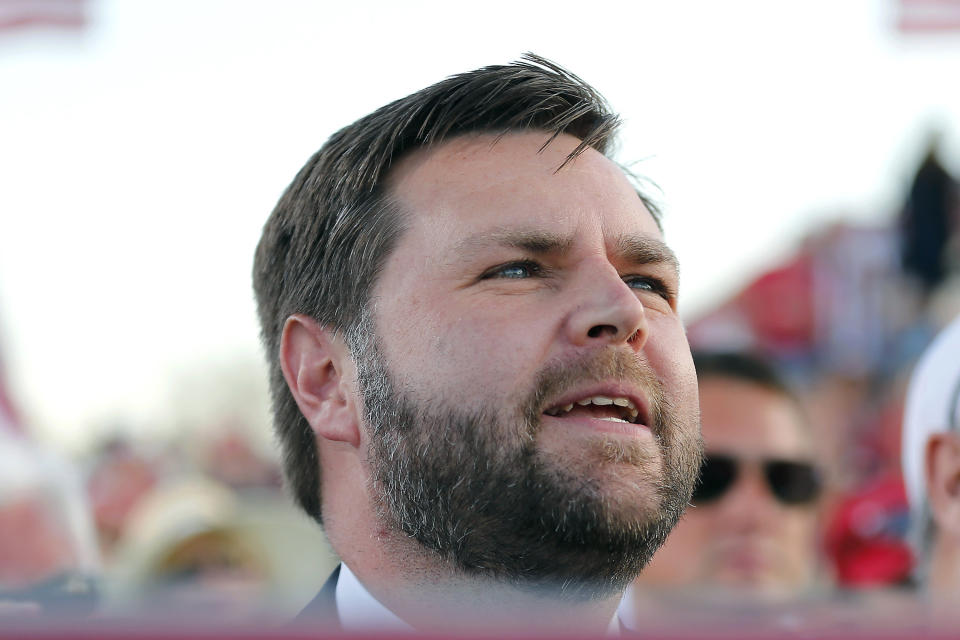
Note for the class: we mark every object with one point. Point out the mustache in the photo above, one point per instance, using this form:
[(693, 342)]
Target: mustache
[(559, 377)]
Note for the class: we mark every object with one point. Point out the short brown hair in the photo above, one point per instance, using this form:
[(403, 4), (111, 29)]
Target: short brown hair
[(332, 230)]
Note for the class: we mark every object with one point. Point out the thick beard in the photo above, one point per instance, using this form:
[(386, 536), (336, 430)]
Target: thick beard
[(474, 488)]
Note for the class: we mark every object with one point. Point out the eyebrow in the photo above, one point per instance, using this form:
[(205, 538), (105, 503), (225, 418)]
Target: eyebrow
[(635, 249), (639, 249)]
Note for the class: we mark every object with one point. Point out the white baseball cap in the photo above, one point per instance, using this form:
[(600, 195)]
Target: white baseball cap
[(932, 406)]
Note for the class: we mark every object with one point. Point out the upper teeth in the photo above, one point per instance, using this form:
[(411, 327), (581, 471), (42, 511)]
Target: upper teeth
[(601, 401)]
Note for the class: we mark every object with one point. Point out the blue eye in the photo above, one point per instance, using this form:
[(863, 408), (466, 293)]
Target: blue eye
[(653, 285), (514, 270)]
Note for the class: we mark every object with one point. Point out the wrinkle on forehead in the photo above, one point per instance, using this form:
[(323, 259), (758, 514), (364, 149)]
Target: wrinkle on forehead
[(532, 240), (482, 190)]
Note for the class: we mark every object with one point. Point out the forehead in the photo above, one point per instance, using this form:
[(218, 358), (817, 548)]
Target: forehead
[(747, 419), (483, 183)]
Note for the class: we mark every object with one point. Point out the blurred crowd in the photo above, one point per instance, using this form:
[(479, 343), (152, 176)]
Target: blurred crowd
[(177, 532), (803, 378), (844, 321)]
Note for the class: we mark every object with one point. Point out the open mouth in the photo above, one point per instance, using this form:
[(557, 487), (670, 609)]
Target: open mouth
[(610, 408)]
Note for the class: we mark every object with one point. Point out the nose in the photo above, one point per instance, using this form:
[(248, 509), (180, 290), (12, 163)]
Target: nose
[(749, 506), (607, 311)]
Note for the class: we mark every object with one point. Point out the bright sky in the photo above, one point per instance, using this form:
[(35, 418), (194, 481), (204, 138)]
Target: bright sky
[(140, 159)]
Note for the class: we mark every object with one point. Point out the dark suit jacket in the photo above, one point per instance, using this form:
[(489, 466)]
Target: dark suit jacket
[(322, 610)]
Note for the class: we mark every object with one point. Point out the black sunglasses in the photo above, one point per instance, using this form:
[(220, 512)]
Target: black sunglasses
[(790, 482)]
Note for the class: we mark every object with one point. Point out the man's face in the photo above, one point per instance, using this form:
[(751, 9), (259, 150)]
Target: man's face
[(746, 538), (530, 391)]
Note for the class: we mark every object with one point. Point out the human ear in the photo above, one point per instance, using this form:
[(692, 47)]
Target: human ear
[(942, 469), (314, 359)]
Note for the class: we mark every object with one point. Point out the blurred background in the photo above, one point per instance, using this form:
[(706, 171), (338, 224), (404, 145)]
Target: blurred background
[(805, 154)]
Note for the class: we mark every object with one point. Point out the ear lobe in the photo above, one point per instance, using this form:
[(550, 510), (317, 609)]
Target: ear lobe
[(942, 468), (313, 360)]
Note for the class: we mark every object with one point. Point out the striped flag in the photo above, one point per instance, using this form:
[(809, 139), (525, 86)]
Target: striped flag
[(928, 16), (62, 14)]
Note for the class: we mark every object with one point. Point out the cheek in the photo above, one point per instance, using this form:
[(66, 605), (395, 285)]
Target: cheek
[(669, 354), (800, 555), (699, 526), (802, 529), (494, 351), (678, 561), (457, 352)]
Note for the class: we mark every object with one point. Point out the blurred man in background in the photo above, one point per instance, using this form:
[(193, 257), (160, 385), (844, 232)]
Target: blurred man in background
[(931, 463), (752, 528), (928, 220), (480, 379), (119, 478)]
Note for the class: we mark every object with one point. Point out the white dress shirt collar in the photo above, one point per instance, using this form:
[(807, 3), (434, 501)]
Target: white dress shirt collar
[(360, 611)]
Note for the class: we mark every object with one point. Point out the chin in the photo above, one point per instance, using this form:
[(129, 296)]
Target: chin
[(626, 486), (758, 585)]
